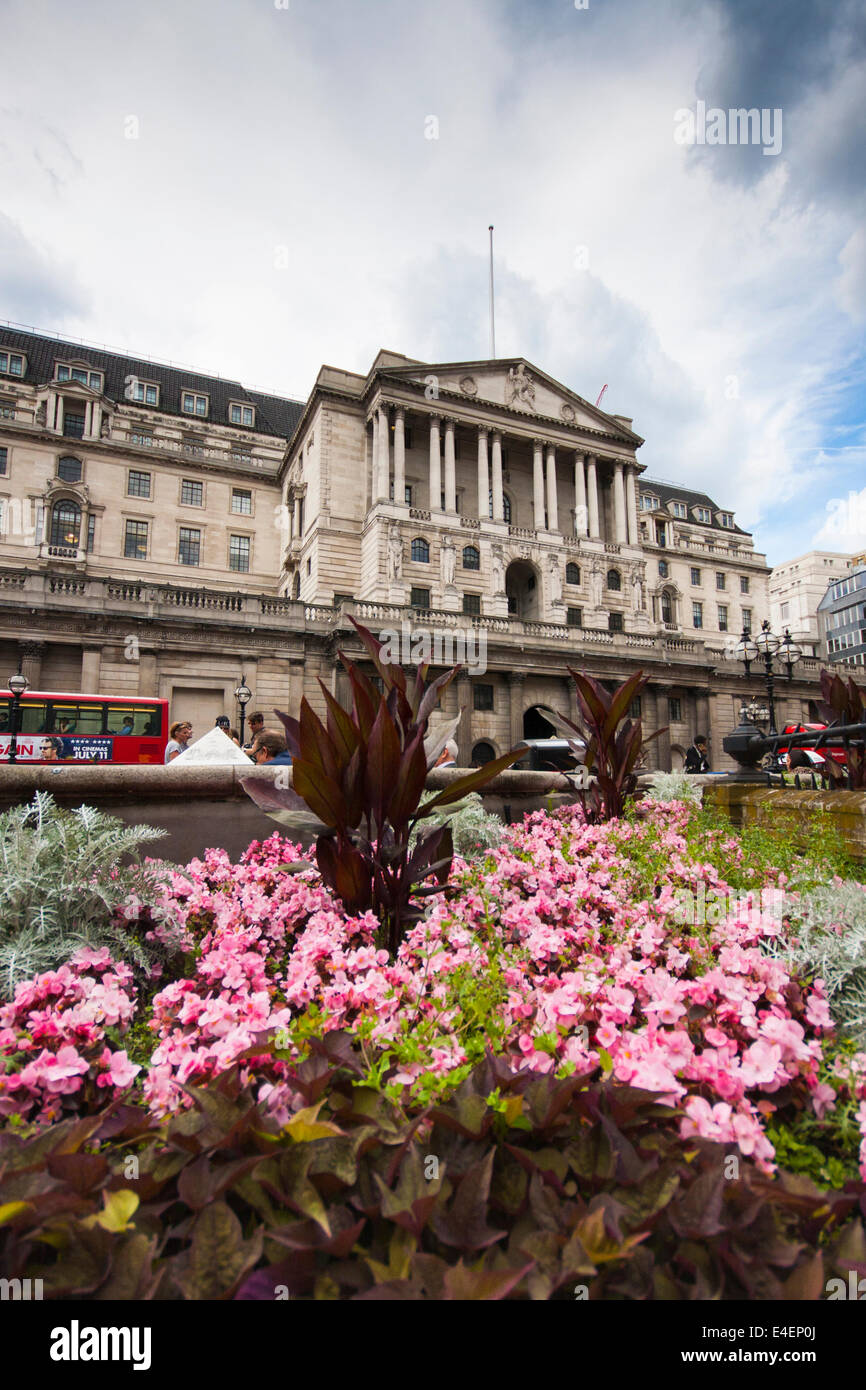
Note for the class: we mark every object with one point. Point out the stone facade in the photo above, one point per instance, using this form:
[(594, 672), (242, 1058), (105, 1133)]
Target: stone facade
[(164, 533), (797, 588)]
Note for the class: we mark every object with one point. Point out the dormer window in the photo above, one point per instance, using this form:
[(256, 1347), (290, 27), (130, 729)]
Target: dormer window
[(648, 503), (241, 414), (145, 392), (66, 372), (727, 519), (193, 404), (680, 509), (12, 363), (704, 514)]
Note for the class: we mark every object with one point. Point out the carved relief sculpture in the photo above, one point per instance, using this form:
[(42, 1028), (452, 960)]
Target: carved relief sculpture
[(448, 560), (521, 387), (395, 554), (597, 584), (555, 580), (498, 566)]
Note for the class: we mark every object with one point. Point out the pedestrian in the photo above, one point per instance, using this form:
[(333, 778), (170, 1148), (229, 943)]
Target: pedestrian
[(256, 722), (178, 739), (235, 737), (223, 722), (274, 748), (696, 758), (448, 756)]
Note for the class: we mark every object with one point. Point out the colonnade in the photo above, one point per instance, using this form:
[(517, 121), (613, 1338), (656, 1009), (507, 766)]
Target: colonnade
[(390, 466)]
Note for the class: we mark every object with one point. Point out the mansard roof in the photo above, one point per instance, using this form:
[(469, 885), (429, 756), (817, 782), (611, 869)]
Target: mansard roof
[(672, 492), (275, 415)]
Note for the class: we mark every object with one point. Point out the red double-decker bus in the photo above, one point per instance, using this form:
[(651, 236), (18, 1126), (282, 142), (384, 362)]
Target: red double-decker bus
[(57, 728)]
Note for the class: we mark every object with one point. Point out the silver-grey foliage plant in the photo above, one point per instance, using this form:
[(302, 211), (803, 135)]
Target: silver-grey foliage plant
[(675, 786), (62, 884), (826, 937), (473, 830)]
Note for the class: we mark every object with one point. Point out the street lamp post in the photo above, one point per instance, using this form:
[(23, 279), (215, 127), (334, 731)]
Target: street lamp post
[(745, 743), (243, 695), (17, 684)]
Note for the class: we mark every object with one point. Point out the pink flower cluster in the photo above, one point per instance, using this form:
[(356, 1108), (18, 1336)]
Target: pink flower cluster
[(53, 1038)]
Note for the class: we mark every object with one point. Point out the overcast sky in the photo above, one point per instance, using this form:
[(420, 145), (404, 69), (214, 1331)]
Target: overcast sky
[(282, 204)]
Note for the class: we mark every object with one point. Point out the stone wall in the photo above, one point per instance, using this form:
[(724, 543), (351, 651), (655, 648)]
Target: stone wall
[(747, 804)]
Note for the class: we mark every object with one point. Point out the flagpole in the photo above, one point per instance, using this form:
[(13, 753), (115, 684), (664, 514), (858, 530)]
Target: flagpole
[(492, 325)]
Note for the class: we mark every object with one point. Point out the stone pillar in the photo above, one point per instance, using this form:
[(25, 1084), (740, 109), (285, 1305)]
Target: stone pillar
[(702, 721), (515, 697), (400, 455), (91, 661), (498, 504), (148, 678), (450, 469), (619, 503), (538, 484), (631, 506), (580, 514), (296, 512), (483, 476), (464, 728), (435, 466), (592, 496), (296, 688), (384, 485), (374, 461), (663, 742), (552, 500), (32, 654)]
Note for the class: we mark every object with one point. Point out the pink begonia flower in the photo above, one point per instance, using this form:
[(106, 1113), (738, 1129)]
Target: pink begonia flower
[(823, 1099), (121, 1072), (760, 1063)]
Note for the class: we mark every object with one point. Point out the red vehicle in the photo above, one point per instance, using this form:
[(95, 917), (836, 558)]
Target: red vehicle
[(837, 754), (56, 728)]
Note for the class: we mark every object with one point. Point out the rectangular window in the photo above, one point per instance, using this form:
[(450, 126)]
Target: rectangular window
[(191, 493), (574, 617), (419, 598), (728, 519), (680, 509), (87, 378), (193, 404), (747, 619), (139, 484), (135, 541), (648, 504), (744, 583), (472, 605), (239, 554), (242, 501), (703, 514), (614, 622), (696, 575), (4, 460), (407, 436), (11, 364), (407, 493), (189, 548), (300, 516), (635, 708), (723, 617), (663, 569), (145, 392), (784, 612), (720, 581), (675, 711), (241, 415), (91, 532), (697, 615), (482, 697), (660, 535), (73, 424)]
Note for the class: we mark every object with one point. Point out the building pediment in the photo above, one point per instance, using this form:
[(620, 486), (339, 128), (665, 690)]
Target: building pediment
[(514, 384)]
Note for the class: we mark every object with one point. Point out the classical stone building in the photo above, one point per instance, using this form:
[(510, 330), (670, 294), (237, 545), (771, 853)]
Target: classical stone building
[(796, 588), (165, 532)]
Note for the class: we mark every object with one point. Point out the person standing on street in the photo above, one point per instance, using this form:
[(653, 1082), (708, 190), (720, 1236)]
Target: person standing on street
[(696, 758), (256, 723), (179, 736)]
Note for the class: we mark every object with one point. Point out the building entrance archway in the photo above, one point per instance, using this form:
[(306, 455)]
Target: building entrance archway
[(523, 590), (536, 724)]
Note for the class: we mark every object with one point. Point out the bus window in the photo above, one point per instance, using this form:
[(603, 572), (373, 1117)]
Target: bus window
[(134, 719), (5, 717), (79, 718), (31, 717)]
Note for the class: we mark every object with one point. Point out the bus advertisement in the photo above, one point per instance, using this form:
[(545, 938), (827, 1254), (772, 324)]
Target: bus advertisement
[(57, 728)]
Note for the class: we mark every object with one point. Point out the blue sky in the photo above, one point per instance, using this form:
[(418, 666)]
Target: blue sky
[(280, 204)]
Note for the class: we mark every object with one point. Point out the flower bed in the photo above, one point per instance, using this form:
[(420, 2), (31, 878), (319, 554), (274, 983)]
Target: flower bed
[(566, 951)]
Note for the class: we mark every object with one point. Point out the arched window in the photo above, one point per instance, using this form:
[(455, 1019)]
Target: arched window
[(471, 557), (66, 524), (667, 606), (506, 506), (421, 550), (69, 469), (572, 574), (482, 753), (613, 580)]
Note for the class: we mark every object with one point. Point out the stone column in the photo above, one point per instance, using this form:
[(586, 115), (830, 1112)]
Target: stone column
[(663, 742), (592, 496), (400, 455), (483, 475), (538, 484), (464, 728), (498, 504), (631, 506), (515, 696), (374, 461), (435, 466), (619, 503), (552, 500), (296, 509), (32, 654), (148, 674), (384, 455), (450, 469), (580, 513)]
